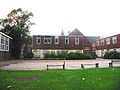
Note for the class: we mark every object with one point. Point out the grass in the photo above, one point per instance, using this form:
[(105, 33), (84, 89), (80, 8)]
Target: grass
[(88, 79)]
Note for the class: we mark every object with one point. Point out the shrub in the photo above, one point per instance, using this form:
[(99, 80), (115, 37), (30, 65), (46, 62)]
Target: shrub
[(61, 54), (50, 54), (108, 54), (93, 54), (28, 55), (71, 56), (112, 55), (78, 56), (66, 55), (115, 55)]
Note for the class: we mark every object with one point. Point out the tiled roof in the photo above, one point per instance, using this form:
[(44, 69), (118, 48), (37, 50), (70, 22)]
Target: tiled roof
[(92, 38), (75, 32)]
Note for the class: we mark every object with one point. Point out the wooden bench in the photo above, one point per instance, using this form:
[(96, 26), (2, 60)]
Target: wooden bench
[(96, 65), (113, 61), (55, 65)]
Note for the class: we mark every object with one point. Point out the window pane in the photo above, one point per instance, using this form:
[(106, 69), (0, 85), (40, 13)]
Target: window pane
[(66, 40), (38, 39), (56, 40), (107, 41), (97, 43), (114, 40), (47, 40), (76, 40), (102, 42)]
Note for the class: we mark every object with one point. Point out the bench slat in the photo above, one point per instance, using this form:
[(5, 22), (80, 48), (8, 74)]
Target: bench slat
[(96, 65), (56, 65)]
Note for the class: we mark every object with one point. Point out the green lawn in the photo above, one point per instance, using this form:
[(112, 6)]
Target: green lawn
[(87, 79)]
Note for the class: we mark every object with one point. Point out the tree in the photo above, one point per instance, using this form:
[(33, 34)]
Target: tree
[(17, 25)]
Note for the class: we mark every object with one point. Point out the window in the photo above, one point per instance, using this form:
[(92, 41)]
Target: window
[(47, 40), (102, 42), (2, 44), (66, 40), (76, 40), (107, 41), (38, 39), (114, 40), (97, 43), (56, 40), (7, 44)]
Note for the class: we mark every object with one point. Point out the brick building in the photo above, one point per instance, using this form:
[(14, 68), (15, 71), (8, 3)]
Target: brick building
[(75, 41), (111, 43), (5, 46)]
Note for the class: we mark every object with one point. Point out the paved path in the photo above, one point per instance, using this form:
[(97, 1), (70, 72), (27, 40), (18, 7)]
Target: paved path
[(42, 64)]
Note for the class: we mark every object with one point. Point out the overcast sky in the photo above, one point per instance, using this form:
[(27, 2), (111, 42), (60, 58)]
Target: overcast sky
[(91, 17)]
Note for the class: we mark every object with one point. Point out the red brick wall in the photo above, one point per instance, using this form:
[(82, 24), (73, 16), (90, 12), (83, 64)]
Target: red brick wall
[(110, 46), (83, 42)]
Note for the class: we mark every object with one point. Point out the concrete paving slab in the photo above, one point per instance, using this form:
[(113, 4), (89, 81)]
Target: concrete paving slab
[(42, 64)]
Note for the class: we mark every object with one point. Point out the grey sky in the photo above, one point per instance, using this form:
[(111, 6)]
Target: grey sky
[(91, 17)]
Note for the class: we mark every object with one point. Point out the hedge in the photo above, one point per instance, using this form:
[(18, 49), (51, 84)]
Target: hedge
[(112, 55)]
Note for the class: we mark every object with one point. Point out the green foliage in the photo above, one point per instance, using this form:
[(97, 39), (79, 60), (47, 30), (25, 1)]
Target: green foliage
[(50, 54), (66, 55), (17, 25), (93, 55), (61, 54), (88, 79), (78, 56), (28, 55), (112, 55), (53, 55), (71, 56)]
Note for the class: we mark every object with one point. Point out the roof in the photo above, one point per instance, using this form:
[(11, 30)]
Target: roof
[(5, 35), (75, 32), (92, 38)]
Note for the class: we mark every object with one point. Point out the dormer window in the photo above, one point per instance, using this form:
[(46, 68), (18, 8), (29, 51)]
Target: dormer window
[(56, 40), (38, 39), (114, 40), (66, 40), (102, 42), (47, 40), (97, 43), (107, 41)]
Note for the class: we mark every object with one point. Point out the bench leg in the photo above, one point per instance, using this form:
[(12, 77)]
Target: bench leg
[(64, 65), (110, 64), (97, 65), (47, 67), (82, 66)]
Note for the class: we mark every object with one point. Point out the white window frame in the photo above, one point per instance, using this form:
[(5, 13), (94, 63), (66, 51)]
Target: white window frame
[(107, 41), (66, 40), (7, 44), (2, 44), (56, 40), (114, 40), (102, 42), (97, 43), (38, 38), (77, 40), (48, 39)]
